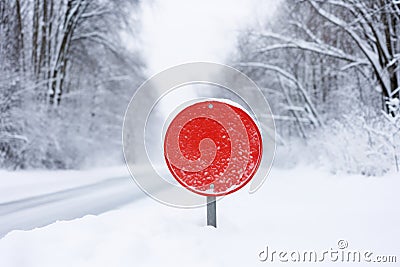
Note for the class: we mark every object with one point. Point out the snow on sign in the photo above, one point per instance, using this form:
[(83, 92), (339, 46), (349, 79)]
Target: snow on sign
[(213, 148)]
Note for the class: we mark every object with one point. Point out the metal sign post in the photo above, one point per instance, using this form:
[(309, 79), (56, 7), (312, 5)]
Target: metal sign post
[(212, 211)]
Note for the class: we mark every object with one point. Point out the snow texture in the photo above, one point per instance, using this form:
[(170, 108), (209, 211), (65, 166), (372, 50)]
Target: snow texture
[(299, 209)]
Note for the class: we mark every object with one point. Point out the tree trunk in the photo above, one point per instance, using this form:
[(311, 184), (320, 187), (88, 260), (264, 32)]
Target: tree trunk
[(35, 36), (21, 46)]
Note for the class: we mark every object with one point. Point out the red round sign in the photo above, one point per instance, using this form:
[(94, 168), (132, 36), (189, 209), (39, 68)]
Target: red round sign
[(213, 148)]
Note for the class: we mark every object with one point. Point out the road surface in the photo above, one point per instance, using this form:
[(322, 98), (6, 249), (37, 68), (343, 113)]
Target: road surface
[(96, 198)]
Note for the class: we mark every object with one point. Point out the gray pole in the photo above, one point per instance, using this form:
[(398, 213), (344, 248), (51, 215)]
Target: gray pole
[(212, 211)]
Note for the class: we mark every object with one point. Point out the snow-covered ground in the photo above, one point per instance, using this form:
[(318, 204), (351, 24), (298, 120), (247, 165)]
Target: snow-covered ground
[(296, 210)]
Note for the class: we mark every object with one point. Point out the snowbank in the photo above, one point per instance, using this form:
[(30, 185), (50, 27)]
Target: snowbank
[(299, 209)]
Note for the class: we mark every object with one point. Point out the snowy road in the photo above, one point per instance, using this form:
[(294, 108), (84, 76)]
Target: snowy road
[(95, 198)]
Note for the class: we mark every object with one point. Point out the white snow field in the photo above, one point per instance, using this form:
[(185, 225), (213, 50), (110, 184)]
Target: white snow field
[(296, 210)]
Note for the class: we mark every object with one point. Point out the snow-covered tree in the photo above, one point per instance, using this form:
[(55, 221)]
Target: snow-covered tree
[(65, 77), (344, 36), (320, 61)]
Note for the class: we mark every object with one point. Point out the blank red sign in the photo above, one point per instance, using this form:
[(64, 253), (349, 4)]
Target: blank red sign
[(213, 148)]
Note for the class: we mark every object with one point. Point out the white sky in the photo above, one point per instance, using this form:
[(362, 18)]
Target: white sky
[(178, 31)]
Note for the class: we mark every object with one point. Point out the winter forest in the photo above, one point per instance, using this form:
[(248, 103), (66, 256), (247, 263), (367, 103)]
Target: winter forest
[(330, 70)]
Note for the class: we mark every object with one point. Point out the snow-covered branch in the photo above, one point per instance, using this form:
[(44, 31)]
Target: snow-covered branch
[(317, 47), (291, 78)]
